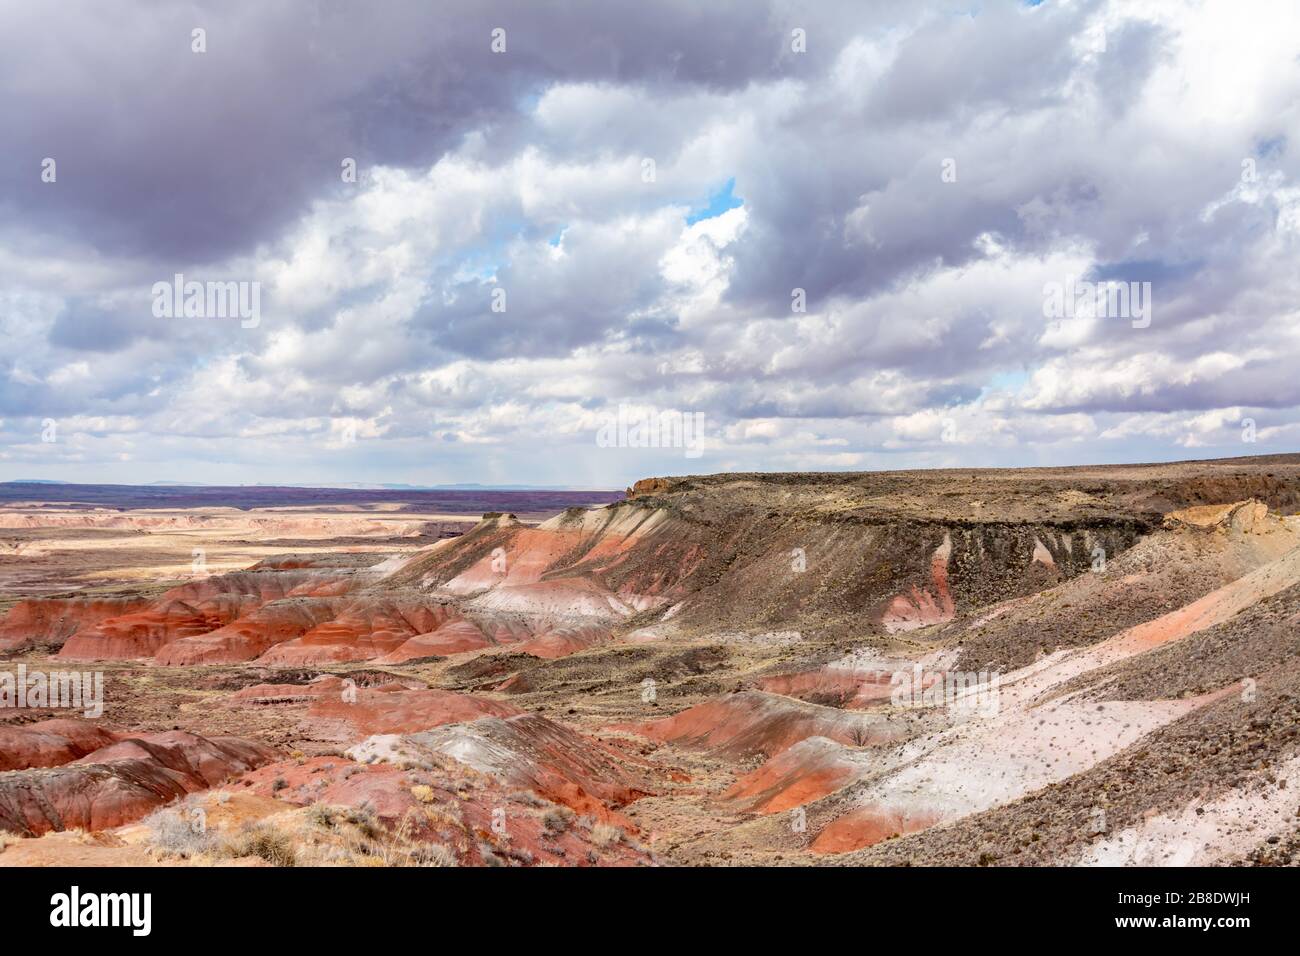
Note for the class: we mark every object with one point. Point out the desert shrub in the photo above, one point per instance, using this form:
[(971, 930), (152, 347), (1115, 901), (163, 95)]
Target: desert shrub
[(265, 841), (445, 815), (411, 763), (605, 834), (434, 854), (323, 815), (363, 818), (556, 820), (422, 793), (172, 833)]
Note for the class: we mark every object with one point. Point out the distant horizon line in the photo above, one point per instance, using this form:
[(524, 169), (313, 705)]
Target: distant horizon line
[(473, 486), (339, 486)]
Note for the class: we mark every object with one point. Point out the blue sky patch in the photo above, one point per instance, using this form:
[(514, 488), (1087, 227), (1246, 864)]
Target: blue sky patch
[(717, 204)]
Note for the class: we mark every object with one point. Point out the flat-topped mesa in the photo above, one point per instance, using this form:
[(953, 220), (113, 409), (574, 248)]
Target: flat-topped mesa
[(907, 549), (816, 555), (775, 552), (1144, 492)]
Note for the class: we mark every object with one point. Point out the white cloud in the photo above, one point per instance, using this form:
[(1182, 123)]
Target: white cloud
[(924, 296)]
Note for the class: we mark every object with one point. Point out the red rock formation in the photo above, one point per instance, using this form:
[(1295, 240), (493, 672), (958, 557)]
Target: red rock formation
[(516, 683), (755, 723), (453, 637), (459, 636), (141, 635), (394, 709), (529, 752), (54, 620), (197, 608), (919, 607), (554, 572), (476, 815), (846, 687), (370, 626), (563, 641), (867, 826), (122, 782), (648, 486), (251, 635), (201, 761), (50, 743), (808, 771)]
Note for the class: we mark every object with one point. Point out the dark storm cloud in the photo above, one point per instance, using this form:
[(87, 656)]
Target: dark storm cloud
[(189, 157), (523, 172)]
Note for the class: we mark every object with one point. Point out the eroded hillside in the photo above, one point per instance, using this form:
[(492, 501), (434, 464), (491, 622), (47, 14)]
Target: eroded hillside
[(1080, 665)]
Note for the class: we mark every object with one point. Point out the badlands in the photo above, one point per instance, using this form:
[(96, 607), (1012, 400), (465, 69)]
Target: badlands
[(1078, 666)]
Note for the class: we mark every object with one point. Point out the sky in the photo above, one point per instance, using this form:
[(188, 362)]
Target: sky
[(788, 235)]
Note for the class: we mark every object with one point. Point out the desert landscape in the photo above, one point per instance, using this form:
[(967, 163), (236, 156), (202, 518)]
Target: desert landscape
[(1079, 666), (838, 456)]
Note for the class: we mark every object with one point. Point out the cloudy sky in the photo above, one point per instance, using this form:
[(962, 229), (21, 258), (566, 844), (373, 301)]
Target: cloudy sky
[(616, 210)]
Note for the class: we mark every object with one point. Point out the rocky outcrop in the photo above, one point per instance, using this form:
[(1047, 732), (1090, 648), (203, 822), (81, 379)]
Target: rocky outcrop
[(526, 751), (807, 771), (367, 627), (753, 723), (198, 608), (432, 802), (648, 486), (52, 621), (750, 556), (1241, 517), (123, 781), (51, 743), (250, 635), (394, 709)]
